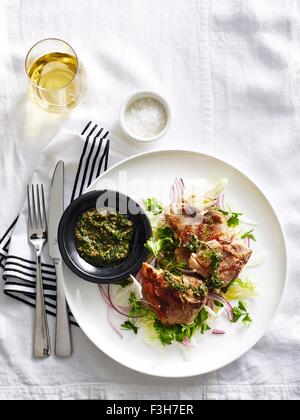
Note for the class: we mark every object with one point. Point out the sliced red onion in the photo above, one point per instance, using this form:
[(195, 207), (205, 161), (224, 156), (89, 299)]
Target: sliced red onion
[(177, 191), (181, 188), (182, 183), (221, 299), (247, 242), (187, 343), (173, 196), (218, 332), (111, 323), (104, 295)]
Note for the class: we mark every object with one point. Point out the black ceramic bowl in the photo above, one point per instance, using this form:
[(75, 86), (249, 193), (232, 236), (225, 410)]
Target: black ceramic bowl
[(66, 236)]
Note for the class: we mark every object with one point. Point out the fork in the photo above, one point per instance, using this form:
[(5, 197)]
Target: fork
[(37, 236)]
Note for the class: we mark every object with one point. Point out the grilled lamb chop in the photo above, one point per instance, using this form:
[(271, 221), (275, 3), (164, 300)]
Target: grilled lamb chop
[(204, 225), (233, 256), (173, 298)]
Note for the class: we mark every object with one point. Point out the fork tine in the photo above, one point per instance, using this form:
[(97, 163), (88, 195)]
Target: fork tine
[(29, 208), (44, 208), (39, 215), (35, 224)]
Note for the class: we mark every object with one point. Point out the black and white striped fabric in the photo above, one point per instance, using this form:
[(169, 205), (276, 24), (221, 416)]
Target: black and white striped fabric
[(86, 156)]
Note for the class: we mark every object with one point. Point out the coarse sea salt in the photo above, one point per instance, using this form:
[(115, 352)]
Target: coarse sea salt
[(145, 117)]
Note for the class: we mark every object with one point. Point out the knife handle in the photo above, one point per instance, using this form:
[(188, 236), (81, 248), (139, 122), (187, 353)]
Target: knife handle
[(63, 342)]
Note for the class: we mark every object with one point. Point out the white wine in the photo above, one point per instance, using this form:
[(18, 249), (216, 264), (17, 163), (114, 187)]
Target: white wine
[(54, 85), (54, 70)]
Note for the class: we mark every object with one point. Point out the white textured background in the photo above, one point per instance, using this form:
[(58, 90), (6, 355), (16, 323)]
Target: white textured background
[(231, 71)]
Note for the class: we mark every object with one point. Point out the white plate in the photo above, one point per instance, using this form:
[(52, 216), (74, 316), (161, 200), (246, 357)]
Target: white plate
[(136, 177)]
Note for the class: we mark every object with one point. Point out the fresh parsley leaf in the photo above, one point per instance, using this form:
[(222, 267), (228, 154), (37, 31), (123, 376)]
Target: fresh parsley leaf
[(166, 334), (249, 235), (237, 314), (242, 306), (233, 219), (166, 234), (137, 308), (153, 206), (247, 320), (163, 245), (241, 312), (204, 327), (162, 240), (129, 325), (178, 332), (226, 213), (154, 246), (201, 317)]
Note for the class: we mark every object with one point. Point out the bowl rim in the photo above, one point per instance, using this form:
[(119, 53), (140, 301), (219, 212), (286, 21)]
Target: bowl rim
[(79, 271)]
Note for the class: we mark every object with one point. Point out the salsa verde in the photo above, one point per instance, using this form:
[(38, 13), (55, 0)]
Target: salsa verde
[(104, 237)]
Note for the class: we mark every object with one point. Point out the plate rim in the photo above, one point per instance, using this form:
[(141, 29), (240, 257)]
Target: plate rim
[(284, 244)]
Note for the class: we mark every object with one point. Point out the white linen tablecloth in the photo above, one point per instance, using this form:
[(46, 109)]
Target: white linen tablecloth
[(231, 71)]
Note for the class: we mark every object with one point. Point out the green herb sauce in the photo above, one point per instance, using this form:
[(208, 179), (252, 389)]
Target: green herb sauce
[(176, 283), (214, 280), (104, 238)]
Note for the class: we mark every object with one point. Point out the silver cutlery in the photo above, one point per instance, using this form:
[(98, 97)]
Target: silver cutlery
[(37, 236), (63, 343)]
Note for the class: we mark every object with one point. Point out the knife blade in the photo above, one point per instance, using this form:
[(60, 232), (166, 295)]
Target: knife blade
[(63, 343), (56, 209)]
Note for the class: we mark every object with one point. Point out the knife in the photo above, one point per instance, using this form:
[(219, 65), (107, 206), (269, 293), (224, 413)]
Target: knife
[(63, 343)]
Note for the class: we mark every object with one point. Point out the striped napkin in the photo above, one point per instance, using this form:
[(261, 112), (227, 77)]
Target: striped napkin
[(86, 156)]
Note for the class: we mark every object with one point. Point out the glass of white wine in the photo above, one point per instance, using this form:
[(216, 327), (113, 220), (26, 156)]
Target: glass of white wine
[(57, 81)]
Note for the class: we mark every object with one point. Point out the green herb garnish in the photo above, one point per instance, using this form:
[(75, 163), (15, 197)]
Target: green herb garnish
[(198, 324), (214, 280), (137, 309), (162, 245), (154, 206), (233, 219), (154, 246), (178, 332), (175, 282), (162, 240), (249, 235), (166, 333), (241, 312), (129, 325)]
